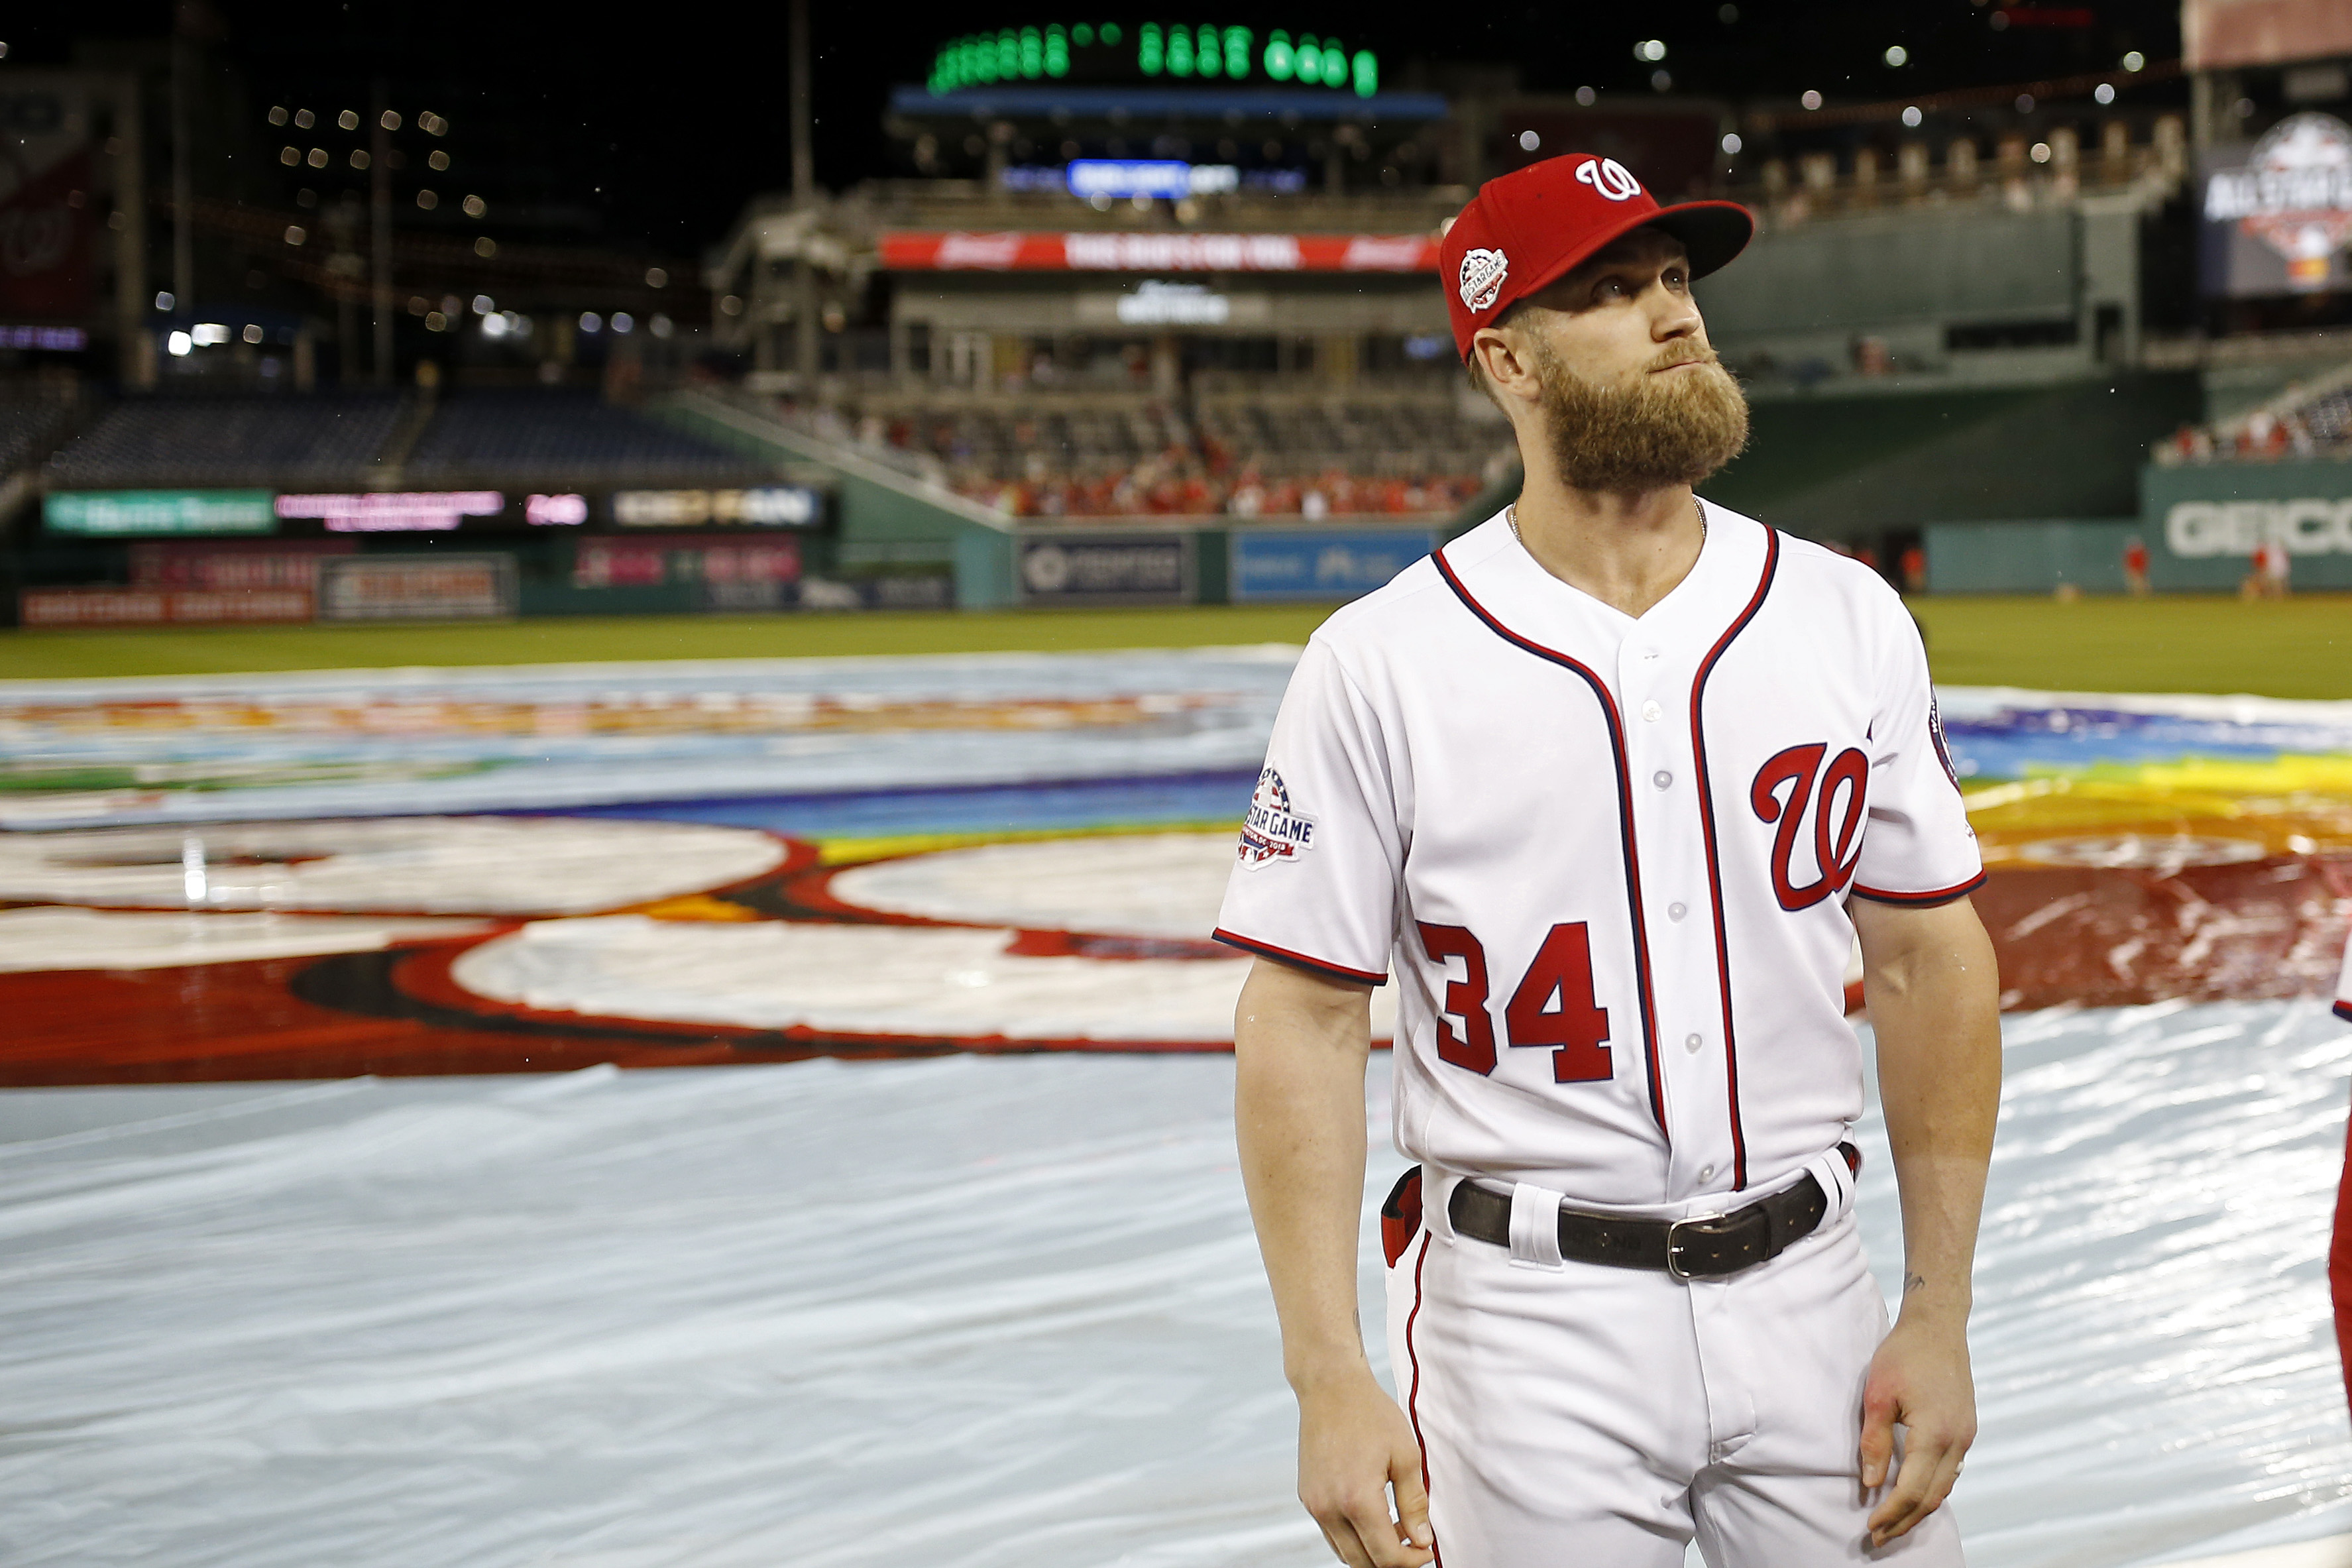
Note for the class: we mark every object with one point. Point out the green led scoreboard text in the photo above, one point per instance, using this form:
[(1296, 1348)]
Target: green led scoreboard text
[(1107, 50)]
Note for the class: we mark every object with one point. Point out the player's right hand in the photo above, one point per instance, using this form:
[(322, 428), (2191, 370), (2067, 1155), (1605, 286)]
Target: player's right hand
[(1354, 1445)]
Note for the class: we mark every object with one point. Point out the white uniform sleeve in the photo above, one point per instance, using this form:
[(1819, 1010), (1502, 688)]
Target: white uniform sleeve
[(2344, 984), (1316, 874), (1918, 847)]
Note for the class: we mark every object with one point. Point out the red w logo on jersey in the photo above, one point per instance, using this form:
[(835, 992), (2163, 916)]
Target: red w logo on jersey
[(1836, 809)]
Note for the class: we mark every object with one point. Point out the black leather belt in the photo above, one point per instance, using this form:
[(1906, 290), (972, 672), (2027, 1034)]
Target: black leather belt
[(1704, 1247)]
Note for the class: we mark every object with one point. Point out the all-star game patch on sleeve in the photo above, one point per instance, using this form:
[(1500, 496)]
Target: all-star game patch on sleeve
[(1918, 847), (1316, 867)]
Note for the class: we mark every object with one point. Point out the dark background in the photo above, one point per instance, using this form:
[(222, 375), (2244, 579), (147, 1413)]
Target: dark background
[(649, 127)]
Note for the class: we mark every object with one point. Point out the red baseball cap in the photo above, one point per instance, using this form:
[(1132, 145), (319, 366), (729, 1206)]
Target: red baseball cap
[(1527, 228)]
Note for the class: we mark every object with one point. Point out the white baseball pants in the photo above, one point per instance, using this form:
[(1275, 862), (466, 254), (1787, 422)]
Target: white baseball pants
[(1574, 1415)]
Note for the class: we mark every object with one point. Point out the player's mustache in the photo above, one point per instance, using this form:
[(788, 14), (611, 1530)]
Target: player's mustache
[(1683, 354)]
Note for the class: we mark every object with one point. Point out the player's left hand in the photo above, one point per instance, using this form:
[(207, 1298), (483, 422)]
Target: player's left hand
[(1919, 1380)]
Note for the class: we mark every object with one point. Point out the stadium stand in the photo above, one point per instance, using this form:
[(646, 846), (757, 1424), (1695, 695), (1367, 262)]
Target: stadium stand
[(2309, 418), (569, 436), (30, 427), (333, 437), (1241, 449)]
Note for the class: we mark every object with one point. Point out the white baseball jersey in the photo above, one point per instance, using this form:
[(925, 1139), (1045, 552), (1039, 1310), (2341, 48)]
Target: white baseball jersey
[(1608, 857), (2344, 984)]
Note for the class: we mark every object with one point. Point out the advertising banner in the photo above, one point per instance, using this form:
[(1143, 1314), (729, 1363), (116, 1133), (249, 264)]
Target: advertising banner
[(910, 250), (152, 514), (2202, 521), (1320, 563), (416, 588), (159, 607), (2277, 214), (47, 201), (759, 506), (1104, 569), (234, 564)]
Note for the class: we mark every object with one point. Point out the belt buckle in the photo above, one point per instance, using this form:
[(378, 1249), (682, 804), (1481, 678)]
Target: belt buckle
[(1674, 1243)]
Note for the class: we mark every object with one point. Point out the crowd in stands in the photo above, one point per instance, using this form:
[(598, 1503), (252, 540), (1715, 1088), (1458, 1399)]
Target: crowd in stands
[(1229, 457), (2314, 422)]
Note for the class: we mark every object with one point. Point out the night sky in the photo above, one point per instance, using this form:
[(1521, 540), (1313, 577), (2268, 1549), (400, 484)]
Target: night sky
[(650, 127)]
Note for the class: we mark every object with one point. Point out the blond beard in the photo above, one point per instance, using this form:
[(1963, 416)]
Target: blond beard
[(1661, 431)]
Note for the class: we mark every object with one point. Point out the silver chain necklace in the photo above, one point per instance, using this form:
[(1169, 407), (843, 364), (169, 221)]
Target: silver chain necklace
[(1511, 516)]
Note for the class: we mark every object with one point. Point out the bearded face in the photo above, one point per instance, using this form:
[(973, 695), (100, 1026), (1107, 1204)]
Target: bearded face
[(1670, 428)]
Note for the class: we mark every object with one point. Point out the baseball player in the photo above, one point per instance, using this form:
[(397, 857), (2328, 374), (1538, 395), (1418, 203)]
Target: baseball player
[(1611, 784), (2339, 1253)]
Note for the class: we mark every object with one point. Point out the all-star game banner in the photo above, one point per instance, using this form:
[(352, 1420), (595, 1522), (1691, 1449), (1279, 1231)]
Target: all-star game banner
[(2278, 213)]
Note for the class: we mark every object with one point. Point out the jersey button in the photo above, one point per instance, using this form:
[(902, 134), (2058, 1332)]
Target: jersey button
[(1707, 1173), (1690, 1042), (1676, 911), (1651, 712), (1662, 778)]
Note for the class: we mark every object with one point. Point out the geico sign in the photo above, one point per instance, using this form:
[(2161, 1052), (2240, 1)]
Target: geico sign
[(2236, 527)]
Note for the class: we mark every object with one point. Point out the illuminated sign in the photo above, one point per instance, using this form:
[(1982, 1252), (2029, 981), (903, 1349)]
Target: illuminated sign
[(394, 511), (765, 506), (905, 250), (1083, 51), (1121, 177), (121, 514), (58, 340), (2278, 214), (1173, 305), (555, 512)]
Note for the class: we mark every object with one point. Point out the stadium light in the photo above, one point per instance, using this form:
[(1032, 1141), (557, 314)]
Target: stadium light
[(165, 300), (349, 119), (2134, 61), (278, 114), (2103, 94), (304, 119), (178, 344)]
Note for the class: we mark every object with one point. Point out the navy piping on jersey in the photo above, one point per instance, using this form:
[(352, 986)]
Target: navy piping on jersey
[(1624, 821), (1268, 949), (1939, 896), (1713, 867)]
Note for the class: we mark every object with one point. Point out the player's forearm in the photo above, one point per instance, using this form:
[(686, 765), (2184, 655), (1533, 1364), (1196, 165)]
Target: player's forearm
[(1299, 1121), (1935, 1005)]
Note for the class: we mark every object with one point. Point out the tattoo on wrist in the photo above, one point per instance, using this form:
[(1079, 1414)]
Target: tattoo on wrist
[(1914, 1282)]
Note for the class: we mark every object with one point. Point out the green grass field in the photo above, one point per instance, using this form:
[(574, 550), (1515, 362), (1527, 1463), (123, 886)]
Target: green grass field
[(2302, 647)]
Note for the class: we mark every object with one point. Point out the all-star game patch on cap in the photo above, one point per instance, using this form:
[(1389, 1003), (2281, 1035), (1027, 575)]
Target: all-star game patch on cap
[(1524, 230)]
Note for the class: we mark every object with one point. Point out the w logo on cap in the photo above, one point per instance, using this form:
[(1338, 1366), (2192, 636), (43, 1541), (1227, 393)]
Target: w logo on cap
[(1610, 178)]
